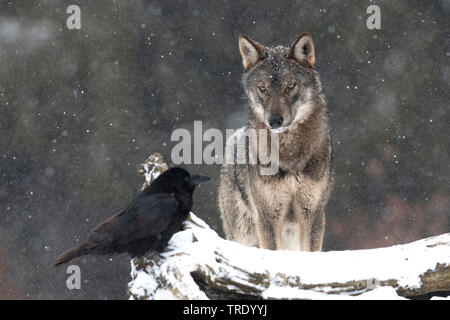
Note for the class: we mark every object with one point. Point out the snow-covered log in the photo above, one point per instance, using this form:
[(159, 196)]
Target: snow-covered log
[(199, 264)]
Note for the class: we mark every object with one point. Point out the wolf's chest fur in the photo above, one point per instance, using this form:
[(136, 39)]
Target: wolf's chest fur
[(291, 198), (291, 190)]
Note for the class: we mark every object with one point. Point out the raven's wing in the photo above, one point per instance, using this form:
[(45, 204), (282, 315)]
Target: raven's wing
[(147, 215)]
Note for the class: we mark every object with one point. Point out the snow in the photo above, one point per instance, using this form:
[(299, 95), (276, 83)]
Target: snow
[(440, 298), (198, 246), (381, 293)]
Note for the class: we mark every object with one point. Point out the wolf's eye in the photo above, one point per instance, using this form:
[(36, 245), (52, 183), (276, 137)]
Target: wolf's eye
[(291, 85), (262, 89)]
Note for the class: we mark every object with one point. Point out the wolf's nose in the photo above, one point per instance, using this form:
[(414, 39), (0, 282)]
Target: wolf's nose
[(275, 120)]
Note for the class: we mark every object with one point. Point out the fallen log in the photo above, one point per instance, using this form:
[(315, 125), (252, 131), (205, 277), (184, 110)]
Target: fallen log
[(199, 264)]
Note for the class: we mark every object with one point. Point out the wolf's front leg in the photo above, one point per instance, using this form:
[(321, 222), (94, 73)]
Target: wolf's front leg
[(317, 229), (267, 233)]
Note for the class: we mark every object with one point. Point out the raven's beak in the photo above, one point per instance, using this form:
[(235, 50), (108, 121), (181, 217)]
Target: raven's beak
[(196, 179)]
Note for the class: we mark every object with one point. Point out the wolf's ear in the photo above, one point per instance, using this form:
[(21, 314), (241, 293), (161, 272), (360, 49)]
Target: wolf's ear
[(302, 50), (251, 51)]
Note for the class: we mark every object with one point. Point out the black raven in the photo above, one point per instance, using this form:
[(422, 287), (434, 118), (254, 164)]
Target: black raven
[(149, 221)]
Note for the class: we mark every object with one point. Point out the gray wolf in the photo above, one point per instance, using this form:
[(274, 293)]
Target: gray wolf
[(149, 221), (286, 210)]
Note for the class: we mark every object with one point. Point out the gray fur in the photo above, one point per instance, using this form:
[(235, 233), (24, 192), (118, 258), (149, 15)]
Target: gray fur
[(285, 210)]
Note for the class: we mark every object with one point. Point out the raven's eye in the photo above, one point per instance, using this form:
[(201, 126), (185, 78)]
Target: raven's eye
[(262, 89)]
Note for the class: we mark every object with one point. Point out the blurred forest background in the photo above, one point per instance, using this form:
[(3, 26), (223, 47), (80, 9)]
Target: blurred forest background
[(80, 109)]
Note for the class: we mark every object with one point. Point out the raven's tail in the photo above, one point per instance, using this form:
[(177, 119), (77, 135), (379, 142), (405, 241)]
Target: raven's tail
[(75, 252)]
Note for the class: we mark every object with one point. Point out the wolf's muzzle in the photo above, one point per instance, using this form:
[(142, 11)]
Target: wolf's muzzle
[(275, 120)]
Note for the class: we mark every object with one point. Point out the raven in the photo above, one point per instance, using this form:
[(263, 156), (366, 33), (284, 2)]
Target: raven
[(149, 221)]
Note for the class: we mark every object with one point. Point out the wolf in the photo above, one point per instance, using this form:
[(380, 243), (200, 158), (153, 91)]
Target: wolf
[(285, 210)]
